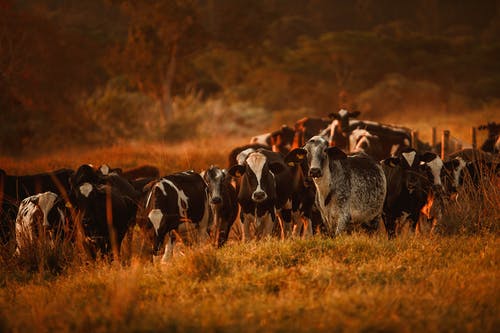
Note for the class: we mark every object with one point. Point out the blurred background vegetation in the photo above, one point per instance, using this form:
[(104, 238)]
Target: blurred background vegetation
[(98, 72)]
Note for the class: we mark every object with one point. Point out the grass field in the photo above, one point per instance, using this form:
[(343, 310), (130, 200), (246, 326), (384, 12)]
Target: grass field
[(356, 283)]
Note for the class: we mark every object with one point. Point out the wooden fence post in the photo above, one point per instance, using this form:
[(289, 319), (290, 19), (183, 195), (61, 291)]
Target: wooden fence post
[(474, 138), (445, 144), (433, 140), (414, 139)]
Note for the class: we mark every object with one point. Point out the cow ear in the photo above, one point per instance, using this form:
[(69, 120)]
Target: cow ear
[(333, 115), (295, 156), (354, 114), (427, 157), (335, 153), (391, 161), (276, 167), (237, 170)]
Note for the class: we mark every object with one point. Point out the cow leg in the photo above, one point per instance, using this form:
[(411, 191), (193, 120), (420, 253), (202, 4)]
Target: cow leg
[(246, 219), (372, 226), (267, 224), (297, 223), (342, 223), (205, 223), (169, 248), (390, 226)]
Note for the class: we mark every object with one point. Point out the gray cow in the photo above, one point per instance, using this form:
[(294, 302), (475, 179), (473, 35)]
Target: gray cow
[(350, 190)]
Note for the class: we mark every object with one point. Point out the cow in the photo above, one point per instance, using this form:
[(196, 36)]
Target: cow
[(306, 128), (86, 173), (106, 215), (303, 196), (363, 141), (40, 214), (492, 142), (175, 204), (13, 189), (350, 190), (140, 172), (223, 202), (281, 140), (432, 211), (473, 167), (264, 191), (408, 185), (340, 129)]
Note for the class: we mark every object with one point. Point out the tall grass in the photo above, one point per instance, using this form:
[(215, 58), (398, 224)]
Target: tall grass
[(352, 283)]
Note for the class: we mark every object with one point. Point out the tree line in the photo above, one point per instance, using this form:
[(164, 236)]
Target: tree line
[(70, 67)]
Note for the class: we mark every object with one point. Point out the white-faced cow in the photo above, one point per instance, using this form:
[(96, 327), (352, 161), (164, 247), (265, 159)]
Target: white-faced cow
[(264, 191), (223, 202), (408, 186), (40, 215), (176, 204), (350, 190)]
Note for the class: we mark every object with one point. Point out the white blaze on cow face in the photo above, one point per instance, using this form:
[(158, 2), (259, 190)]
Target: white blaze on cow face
[(343, 113), (46, 202), (242, 156), (104, 169), (85, 189), (256, 162), (436, 165), (155, 216), (410, 157)]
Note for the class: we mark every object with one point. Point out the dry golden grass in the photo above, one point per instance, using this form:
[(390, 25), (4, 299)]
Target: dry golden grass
[(349, 284)]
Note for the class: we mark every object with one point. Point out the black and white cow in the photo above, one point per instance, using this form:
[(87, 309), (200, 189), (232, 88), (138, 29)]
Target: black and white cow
[(392, 139), (408, 185), (176, 204), (363, 141), (13, 189), (350, 190), (41, 214), (340, 129), (223, 202), (264, 191), (106, 215), (303, 196)]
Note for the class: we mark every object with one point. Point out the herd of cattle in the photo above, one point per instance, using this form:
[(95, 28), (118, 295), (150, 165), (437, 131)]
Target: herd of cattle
[(325, 175)]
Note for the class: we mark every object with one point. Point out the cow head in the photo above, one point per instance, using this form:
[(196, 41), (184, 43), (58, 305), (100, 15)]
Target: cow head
[(410, 169), (454, 171), (341, 119), (258, 176), (215, 178), (282, 139), (318, 155)]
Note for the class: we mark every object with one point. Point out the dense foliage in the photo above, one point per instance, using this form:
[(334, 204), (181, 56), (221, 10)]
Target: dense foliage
[(60, 61)]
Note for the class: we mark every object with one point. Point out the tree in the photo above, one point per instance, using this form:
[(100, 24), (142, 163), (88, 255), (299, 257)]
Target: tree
[(161, 36)]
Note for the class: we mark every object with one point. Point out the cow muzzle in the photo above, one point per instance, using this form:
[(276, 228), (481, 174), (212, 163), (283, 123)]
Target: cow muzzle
[(315, 172), (216, 201), (259, 196)]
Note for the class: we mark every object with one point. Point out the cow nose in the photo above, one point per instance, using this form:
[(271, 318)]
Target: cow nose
[(259, 196), (315, 172), (216, 200)]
